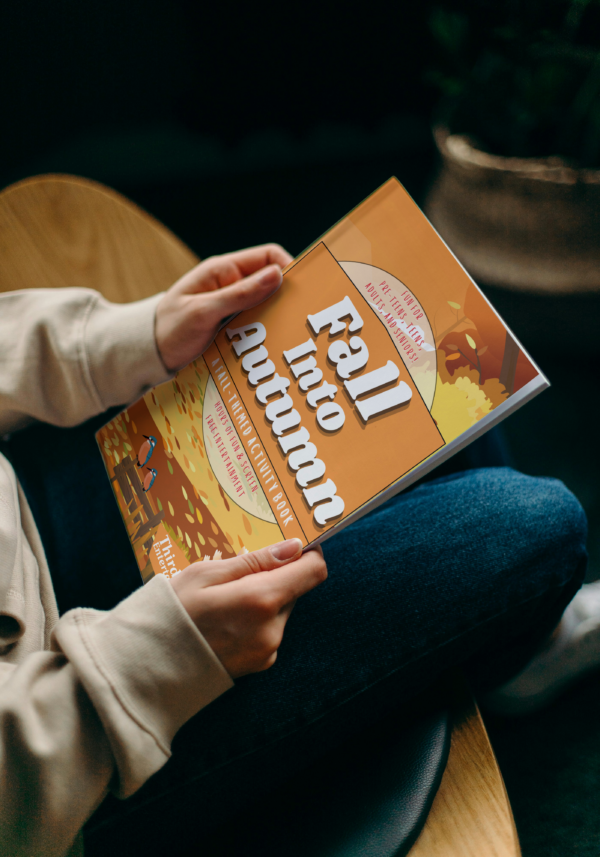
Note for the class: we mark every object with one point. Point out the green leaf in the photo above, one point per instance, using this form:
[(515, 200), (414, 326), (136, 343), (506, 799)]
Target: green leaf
[(170, 466), (471, 341), (191, 505), (159, 504)]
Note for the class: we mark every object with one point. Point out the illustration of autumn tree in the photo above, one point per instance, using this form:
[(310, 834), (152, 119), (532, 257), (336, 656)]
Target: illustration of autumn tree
[(509, 363), (459, 320), (478, 353), (471, 352)]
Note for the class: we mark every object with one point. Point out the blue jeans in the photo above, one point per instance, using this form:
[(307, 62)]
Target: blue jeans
[(472, 568)]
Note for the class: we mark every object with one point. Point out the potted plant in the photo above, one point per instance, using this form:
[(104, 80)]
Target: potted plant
[(518, 129)]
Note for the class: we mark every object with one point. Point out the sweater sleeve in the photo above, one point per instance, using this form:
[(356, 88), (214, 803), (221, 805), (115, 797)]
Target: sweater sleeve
[(98, 712), (68, 354)]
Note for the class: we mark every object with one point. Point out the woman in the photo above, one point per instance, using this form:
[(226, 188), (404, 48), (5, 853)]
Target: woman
[(473, 568)]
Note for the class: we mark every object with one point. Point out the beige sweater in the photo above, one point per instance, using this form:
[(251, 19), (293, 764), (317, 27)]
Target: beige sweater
[(91, 701)]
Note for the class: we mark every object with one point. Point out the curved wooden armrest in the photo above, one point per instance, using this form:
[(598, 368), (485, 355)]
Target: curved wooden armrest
[(471, 814), (60, 231)]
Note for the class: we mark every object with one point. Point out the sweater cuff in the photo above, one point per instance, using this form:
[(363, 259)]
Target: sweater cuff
[(147, 670), (121, 351)]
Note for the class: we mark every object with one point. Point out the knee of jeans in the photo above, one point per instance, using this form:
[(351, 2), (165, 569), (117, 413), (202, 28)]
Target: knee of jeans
[(547, 522)]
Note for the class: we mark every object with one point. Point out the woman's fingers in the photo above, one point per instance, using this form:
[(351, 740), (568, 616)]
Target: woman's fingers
[(227, 570), (246, 293), (254, 258), (219, 272), (295, 580), (279, 574)]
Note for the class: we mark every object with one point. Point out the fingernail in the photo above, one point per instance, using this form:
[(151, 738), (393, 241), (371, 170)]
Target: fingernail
[(286, 550), (271, 275)]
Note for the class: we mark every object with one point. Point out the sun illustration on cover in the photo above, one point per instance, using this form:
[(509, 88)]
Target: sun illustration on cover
[(168, 432)]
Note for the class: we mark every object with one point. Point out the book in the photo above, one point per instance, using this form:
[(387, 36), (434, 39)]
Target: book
[(376, 360)]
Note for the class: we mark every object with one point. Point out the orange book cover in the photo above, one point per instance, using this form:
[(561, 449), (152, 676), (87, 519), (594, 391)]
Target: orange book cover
[(377, 359)]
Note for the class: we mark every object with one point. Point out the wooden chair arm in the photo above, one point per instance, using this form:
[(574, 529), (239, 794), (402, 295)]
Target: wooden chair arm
[(471, 814)]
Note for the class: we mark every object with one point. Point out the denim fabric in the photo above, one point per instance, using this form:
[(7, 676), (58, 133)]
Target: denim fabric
[(472, 568)]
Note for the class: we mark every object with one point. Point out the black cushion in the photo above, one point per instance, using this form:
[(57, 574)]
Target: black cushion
[(367, 798)]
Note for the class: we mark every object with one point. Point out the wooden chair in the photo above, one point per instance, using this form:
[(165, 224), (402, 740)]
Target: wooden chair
[(58, 231)]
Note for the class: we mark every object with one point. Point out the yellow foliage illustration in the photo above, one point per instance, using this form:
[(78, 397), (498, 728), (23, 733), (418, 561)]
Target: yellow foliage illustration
[(460, 401)]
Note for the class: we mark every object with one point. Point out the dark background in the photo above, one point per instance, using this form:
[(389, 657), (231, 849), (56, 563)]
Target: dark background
[(230, 123), (237, 124)]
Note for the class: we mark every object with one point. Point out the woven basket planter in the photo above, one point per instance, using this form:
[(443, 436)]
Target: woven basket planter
[(523, 224)]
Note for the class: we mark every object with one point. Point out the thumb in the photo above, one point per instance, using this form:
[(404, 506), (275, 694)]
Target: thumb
[(266, 559), (246, 293)]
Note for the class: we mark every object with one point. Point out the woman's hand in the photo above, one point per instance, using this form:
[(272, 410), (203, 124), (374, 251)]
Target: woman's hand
[(241, 605), (189, 315)]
